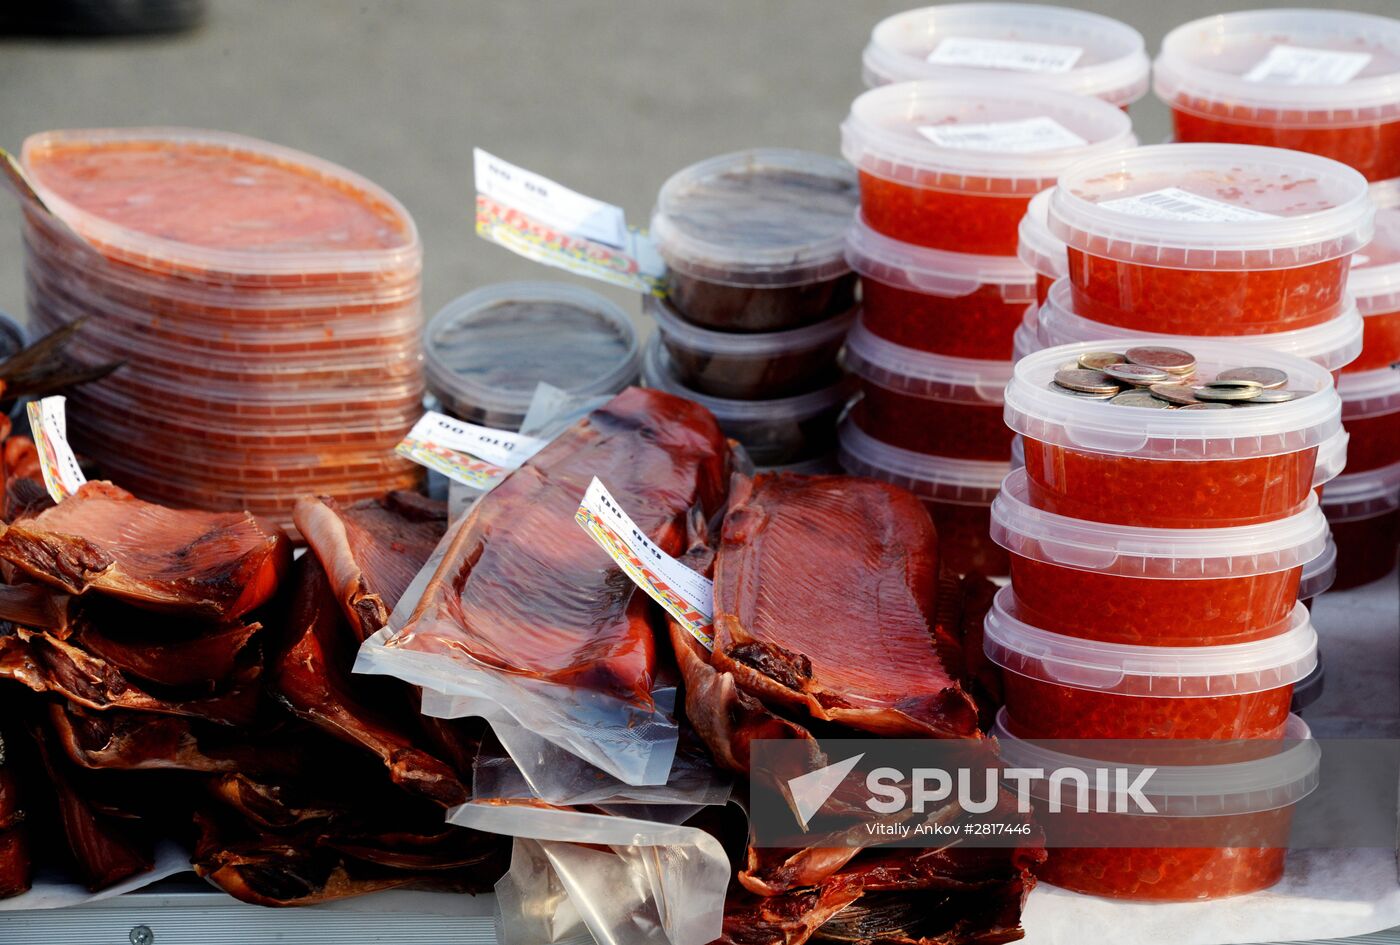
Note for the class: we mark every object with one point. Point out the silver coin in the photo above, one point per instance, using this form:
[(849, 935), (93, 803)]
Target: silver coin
[(1098, 360), (1086, 395), (1178, 394), (1266, 377), (1267, 396), (1171, 360), (1140, 398), (1226, 393), (1204, 406), (1140, 375), (1089, 382)]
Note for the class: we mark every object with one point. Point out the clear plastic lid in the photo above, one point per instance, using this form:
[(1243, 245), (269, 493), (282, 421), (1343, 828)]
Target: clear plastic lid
[(996, 136), (1026, 339), (769, 217), (1332, 344), (773, 344), (1287, 66), (1254, 785), (1374, 277), (1386, 193), (1363, 494), (1369, 393), (490, 349), (1036, 246), (1156, 553), (1052, 47), (921, 374), (658, 374), (1212, 206), (1331, 458), (941, 478), (1036, 411), (1171, 672), (278, 183), (1320, 572), (937, 272)]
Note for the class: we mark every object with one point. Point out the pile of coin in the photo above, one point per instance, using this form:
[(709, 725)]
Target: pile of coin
[(1166, 379)]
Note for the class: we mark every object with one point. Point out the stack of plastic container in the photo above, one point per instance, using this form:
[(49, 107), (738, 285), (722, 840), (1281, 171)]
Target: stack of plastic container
[(946, 172), (759, 299), (266, 305), (1156, 562), (1322, 81)]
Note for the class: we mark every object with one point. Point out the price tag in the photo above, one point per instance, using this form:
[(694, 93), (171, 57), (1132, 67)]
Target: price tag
[(1019, 137), (470, 454), (1298, 65), (1173, 203), (1008, 54), (687, 596), (549, 202), (48, 423)]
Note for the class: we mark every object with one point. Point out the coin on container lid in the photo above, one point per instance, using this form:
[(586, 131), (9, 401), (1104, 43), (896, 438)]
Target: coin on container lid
[(1178, 394), (1140, 398), (1266, 377), (1091, 382), (1171, 360), (1098, 360), (1267, 396), (1139, 374), (1087, 395), (1204, 406), (1230, 393)]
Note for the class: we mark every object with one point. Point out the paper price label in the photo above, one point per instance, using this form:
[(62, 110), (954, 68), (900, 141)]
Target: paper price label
[(686, 595), (473, 455), (1021, 137), (1007, 54), (48, 423), (1173, 203), (548, 201), (1298, 65)]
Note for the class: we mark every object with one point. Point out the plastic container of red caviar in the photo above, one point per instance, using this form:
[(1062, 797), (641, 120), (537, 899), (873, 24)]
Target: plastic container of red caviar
[(1364, 512), (1238, 808), (776, 432), (486, 351), (953, 165), (957, 304), (1038, 248), (1050, 47), (1375, 284), (958, 494), (753, 240), (1172, 468), (1153, 586), (751, 365), (1210, 239), (1060, 686), (1371, 414), (929, 403), (1322, 81), (1333, 344)]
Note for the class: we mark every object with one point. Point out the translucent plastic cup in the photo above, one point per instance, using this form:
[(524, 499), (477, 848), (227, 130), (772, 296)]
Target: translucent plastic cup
[(1371, 414), (1322, 81), (953, 165), (753, 239), (1130, 465), (929, 403), (1050, 47), (1067, 687), (1210, 239), (1040, 249), (956, 304), (958, 494), (1374, 282), (1364, 512), (1154, 586)]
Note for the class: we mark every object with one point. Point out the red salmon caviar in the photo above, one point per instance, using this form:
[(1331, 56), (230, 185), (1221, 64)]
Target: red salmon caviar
[(1375, 284), (1374, 150), (1371, 414), (979, 221)]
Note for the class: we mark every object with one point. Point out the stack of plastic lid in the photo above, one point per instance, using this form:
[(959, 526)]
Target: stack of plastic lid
[(266, 305), (1048, 47), (759, 295), (487, 351), (1322, 81)]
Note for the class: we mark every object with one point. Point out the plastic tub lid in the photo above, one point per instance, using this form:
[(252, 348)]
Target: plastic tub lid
[(1052, 47), (657, 374), (402, 250), (1227, 788), (1231, 669), (1026, 339), (1310, 690), (1363, 494), (492, 347), (921, 374), (1291, 66), (1024, 136), (1386, 193), (1036, 246), (940, 478), (1369, 393), (934, 271), (1018, 452), (1032, 409), (1331, 458), (1157, 553), (1333, 344), (773, 344), (1319, 573), (1375, 269), (769, 217), (1212, 206)]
